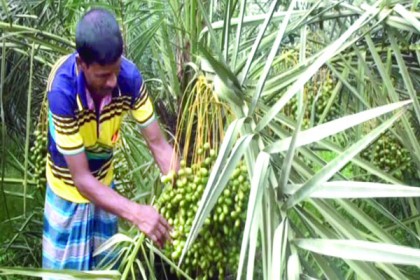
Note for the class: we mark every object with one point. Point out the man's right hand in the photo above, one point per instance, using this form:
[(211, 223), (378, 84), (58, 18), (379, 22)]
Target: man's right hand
[(149, 221), (145, 217)]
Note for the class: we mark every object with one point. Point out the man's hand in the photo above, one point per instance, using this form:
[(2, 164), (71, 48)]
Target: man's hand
[(151, 223), (144, 216)]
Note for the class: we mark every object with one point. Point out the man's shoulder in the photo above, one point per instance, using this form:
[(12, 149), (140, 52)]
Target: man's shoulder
[(129, 76), (128, 68), (62, 76)]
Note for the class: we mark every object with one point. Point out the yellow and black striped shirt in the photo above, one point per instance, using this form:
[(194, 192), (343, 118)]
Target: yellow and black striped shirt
[(75, 126)]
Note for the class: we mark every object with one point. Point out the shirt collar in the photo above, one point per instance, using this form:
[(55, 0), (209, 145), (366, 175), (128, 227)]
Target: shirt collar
[(106, 100)]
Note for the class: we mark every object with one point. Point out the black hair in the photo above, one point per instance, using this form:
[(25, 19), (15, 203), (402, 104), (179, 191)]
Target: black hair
[(98, 37)]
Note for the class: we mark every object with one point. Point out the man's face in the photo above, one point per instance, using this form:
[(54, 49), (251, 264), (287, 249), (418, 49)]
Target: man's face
[(100, 79)]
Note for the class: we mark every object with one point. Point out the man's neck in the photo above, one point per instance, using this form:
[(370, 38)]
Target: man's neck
[(96, 97)]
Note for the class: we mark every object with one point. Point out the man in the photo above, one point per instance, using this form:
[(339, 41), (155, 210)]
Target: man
[(89, 92)]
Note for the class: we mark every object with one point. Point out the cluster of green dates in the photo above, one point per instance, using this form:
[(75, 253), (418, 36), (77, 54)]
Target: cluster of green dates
[(390, 156), (215, 252), (38, 157), (316, 98)]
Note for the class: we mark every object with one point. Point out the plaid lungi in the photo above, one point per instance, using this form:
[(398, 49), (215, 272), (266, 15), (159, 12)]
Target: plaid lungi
[(72, 232)]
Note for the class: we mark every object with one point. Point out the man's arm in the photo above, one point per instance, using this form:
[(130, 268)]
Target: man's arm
[(163, 153), (144, 216)]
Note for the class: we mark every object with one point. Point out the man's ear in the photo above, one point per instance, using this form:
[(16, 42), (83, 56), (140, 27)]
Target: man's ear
[(81, 65)]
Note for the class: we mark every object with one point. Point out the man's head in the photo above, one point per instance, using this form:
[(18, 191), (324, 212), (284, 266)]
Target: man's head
[(99, 45)]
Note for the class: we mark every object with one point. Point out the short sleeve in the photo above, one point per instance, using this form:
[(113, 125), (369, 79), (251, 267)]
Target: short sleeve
[(63, 124), (141, 105)]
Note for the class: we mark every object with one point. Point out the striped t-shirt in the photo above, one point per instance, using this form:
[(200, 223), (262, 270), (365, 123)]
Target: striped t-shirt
[(76, 127)]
